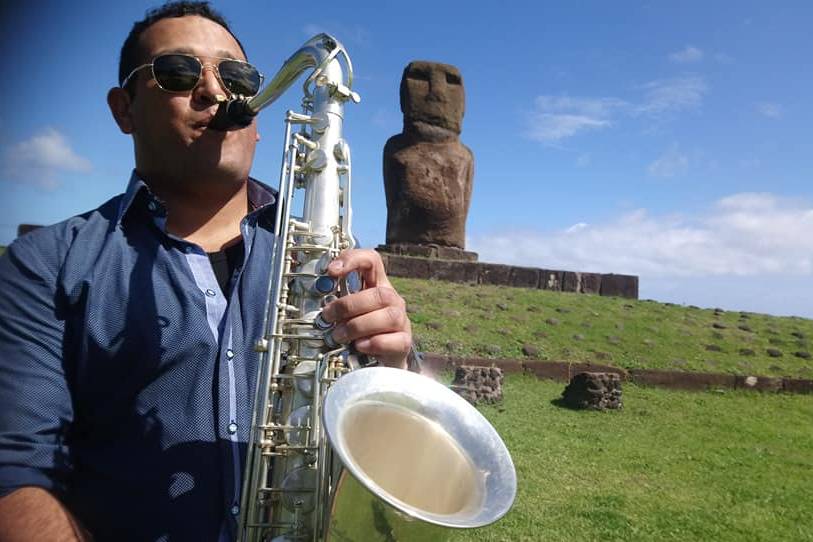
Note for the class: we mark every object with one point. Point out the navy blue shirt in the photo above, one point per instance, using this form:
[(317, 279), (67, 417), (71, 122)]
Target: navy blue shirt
[(126, 374)]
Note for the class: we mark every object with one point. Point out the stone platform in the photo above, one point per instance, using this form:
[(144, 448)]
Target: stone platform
[(608, 284)]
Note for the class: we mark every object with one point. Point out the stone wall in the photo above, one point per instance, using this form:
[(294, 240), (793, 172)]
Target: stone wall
[(509, 275), (563, 371)]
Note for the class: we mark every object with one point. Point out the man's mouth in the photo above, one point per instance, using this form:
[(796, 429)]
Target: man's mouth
[(202, 124)]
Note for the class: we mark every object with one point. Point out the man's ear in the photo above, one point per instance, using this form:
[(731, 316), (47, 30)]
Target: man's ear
[(119, 101)]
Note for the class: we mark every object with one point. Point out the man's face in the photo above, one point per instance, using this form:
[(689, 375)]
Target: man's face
[(170, 130), (432, 92)]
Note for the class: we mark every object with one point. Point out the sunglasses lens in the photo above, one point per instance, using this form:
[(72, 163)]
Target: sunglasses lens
[(240, 77), (176, 72)]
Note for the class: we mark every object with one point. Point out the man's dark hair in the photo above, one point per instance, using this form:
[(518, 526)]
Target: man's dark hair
[(130, 54)]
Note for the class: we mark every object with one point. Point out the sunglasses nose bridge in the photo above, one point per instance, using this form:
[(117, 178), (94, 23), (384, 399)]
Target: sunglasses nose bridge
[(212, 84)]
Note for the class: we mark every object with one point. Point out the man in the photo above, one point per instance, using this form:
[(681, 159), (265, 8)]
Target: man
[(126, 367)]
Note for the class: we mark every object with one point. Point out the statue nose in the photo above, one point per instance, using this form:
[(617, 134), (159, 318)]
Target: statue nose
[(437, 87)]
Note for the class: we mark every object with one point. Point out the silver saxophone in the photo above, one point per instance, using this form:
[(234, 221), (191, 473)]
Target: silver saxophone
[(336, 451)]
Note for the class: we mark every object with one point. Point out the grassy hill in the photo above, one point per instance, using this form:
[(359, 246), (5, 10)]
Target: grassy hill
[(501, 322)]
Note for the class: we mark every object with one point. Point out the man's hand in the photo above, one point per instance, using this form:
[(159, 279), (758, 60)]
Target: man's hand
[(32, 513), (375, 318)]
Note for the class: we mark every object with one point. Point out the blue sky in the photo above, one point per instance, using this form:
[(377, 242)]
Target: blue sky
[(666, 140)]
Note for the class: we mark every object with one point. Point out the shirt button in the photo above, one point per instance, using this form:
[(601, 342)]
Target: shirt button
[(210, 292), (235, 510), (232, 428), (230, 353), (152, 206)]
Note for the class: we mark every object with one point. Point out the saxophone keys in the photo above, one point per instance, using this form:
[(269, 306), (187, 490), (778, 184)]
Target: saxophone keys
[(321, 323), (297, 489), (325, 285), (316, 160)]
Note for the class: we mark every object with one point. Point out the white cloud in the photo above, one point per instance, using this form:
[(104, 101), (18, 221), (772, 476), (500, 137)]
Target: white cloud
[(672, 95), (687, 55), (559, 117), (555, 118), (747, 234), (770, 110), (39, 159), (553, 127), (670, 163)]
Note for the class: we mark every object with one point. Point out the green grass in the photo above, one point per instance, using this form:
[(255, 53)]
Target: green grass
[(497, 322), (668, 466)]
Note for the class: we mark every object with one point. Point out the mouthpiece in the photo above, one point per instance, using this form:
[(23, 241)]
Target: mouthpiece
[(232, 115)]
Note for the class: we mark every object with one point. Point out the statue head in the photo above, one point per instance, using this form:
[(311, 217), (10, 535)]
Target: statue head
[(432, 93)]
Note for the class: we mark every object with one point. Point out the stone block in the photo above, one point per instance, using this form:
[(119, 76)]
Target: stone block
[(619, 285), (524, 277), (428, 251), (571, 281), (453, 271), (494, 273), (594, 391), (590, 283), (478, 384), (551, 280), (797, 385), (406, 266), (454, 253), (760, 383)]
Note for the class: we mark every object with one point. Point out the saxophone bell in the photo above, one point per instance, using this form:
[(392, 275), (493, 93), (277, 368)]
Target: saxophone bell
[(418, 459)]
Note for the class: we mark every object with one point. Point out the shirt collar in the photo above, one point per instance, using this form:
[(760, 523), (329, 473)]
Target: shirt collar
[(134, 186), (259, 195)]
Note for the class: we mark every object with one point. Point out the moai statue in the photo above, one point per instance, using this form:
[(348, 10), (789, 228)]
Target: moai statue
[(427, 170)]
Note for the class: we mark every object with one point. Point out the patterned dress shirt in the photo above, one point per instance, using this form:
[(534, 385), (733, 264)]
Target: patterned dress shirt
[(126, 373)]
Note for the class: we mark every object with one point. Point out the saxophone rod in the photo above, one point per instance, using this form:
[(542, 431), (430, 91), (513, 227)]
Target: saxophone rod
[(239, 111)]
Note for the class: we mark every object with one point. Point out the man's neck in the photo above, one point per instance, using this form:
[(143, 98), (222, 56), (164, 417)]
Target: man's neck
[(206, 215)]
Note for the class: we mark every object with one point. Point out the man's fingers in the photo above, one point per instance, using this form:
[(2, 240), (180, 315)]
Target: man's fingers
[(374, 319), (367, 262), (386, 320), (390, 349), (362, 302)]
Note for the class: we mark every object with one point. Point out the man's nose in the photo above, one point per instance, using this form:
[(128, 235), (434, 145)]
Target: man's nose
[(210, 90)]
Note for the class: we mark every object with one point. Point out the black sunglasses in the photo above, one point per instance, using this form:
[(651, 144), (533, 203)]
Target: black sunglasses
[(177, 72)]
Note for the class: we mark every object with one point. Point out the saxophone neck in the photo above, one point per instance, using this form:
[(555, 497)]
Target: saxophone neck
[(316, 54)]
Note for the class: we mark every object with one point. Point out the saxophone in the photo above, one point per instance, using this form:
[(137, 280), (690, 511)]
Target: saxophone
[(337, 450)]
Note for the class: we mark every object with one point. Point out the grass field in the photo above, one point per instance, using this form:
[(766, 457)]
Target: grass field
[(668, 466), (495, 322)]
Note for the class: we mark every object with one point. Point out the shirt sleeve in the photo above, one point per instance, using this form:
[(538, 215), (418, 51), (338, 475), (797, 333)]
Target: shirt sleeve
[(35, 402)]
